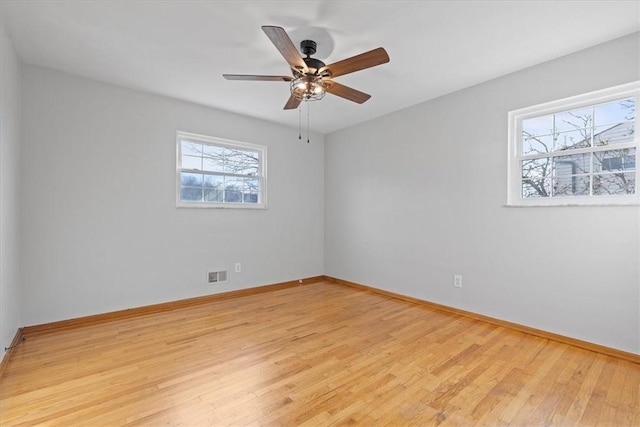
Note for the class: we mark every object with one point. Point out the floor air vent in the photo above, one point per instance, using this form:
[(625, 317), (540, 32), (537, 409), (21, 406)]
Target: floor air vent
[(216, 277)]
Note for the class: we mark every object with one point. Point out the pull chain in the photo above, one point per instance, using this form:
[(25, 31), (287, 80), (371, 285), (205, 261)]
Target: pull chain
[(300, 123), (308, 122)]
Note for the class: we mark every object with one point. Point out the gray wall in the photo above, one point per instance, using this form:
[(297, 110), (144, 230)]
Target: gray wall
[(101, 231), (9, 190), (417, 196)]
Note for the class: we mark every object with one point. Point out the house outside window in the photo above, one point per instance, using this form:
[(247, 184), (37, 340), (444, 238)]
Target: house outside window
[(576, 151), (219, 173)]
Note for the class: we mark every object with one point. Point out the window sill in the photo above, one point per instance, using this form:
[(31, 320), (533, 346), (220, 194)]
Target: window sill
[(215, 206), (569, 204)]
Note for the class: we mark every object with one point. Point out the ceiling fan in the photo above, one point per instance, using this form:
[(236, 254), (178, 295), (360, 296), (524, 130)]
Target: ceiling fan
[(311, 78)]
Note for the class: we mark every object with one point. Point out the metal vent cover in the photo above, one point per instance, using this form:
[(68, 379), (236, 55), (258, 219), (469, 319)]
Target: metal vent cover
[(215, 277)]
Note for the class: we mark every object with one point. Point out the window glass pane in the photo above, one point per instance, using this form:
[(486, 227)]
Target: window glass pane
[(213, 188), (191, 162), (571, 140), (536, 168), (241, 162), (614, 134), (615, 112), (537, 144), (536, 126), (191, 194), (614, 183), (191, 179), (213, 181), (213, 195), (249, 197), (251, 190), (574, 120), (570, 165), (536, 188), (191, 148), (251, 184), (614, 160), (230, 160), (213, 158), (233, 190), (571, 185)]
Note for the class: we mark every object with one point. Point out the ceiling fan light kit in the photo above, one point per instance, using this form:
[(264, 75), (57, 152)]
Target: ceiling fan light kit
[(311, 77), (306, 89)]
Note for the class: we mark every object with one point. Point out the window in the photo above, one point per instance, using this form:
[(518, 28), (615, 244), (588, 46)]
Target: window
[(576, 151), (213, 172)]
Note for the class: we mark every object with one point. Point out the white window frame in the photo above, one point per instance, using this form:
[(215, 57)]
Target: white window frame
[(516, 117), (220, 142)]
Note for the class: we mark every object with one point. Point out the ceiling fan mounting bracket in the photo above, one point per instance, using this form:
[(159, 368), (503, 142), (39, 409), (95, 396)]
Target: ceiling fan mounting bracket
[(308, 47)]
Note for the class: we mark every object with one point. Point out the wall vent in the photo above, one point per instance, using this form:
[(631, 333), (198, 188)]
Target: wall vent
[(215, 277)]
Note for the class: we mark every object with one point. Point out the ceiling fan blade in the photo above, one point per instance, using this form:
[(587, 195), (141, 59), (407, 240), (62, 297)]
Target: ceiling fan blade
[(356, 63), (346, 92), (292, 103), (285, 46), (257, 78)]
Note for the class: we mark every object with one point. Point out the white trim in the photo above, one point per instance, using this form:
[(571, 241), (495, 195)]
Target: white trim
[(514, 177), (262, 171)]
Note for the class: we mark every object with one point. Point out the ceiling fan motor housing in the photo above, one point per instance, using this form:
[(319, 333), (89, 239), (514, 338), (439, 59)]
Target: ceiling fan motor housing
[(308, 48), (313, 64)]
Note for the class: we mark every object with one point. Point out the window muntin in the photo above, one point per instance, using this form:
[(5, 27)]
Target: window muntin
[(213, 172), (579, 151)]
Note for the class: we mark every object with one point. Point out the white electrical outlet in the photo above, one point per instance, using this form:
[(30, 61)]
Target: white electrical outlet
[(238, 267), (457, 280)]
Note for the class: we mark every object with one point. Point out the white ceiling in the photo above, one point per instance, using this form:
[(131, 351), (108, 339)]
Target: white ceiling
[(182, 48)]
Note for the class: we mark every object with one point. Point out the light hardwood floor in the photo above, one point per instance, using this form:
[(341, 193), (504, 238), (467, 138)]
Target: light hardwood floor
[(319, 354)]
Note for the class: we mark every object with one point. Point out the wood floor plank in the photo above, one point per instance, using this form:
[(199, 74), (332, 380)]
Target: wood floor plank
[(320, 354)]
